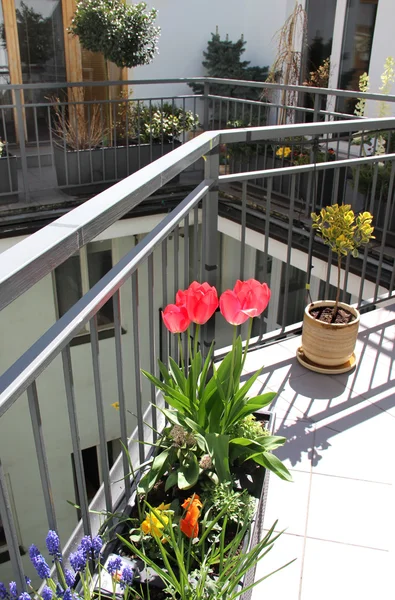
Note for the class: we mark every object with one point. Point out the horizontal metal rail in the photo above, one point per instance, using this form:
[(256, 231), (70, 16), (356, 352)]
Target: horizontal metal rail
[(203, 80)]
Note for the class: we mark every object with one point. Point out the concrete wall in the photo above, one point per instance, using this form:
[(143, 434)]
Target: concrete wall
[(187, 27)]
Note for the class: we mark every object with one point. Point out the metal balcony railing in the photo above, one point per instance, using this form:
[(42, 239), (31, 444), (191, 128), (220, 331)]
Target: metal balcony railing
[(182, 247), (75, 139)]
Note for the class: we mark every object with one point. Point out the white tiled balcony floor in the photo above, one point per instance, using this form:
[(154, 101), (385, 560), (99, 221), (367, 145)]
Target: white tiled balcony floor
[(339, 513)]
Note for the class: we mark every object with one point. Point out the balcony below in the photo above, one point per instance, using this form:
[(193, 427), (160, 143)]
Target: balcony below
[(338, 513)]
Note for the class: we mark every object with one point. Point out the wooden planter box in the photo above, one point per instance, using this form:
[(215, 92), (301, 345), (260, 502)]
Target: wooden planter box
[(84, 171), (8, 178)]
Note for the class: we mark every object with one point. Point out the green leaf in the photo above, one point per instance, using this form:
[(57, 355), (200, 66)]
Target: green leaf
[(253, 405), (171, 481), (164, 372), (162, 462), (218, 448), (188, 473), (271, 462), (206, 367), (178, 375)]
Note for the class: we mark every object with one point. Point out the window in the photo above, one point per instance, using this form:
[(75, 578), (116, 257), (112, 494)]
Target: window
[(92, 474), (357, 46), (77, 275), (4, 554)]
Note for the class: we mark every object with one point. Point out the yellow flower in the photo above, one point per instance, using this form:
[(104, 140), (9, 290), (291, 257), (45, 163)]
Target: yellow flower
[(152, 525), (283, 151), (115, 405), (156, 520), (163, 507)]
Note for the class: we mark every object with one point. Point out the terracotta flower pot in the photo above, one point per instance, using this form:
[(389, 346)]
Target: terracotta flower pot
[(329, 344)]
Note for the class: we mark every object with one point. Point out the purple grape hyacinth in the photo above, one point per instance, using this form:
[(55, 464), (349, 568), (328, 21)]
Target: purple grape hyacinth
[(3, 592), (68, 595), (41, 566), (69, 577), (114, 565), (97, 544), (46, 593), (126, 577), (13, 590), (78, 560), (24, 596), (53, 544)]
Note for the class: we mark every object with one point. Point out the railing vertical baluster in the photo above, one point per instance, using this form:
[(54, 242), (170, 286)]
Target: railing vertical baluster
[(243, 227), (41, 454), (6, 145), (105, 471), (11, 534), (21, 137), (195, 274), (206, 105), (266, 242), (164, 299), (37, 140), (289, 250), (186, 280), (121, 390), (176, 243), (139, 132), (75, 439), (389, 207), (114, 132), (151, 338), (136, 360), (150, 131), (89, 141), (210, 247), (127, 103)]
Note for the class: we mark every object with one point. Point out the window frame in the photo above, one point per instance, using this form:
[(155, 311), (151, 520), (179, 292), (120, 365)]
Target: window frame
[(104, 331)]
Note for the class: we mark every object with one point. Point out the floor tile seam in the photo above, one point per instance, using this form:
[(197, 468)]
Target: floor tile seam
[(379, 407), (306, 523), (350, 544), (305, 418), (330, 541), (388, 483)]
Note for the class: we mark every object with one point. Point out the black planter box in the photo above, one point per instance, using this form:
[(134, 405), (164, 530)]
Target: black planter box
[(8, 178), (83, 171), (256, 487)]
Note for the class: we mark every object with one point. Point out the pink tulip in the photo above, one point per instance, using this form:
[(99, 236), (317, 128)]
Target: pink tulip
[(176, 318), (247, 299)]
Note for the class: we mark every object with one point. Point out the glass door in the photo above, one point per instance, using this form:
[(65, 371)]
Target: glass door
[(41, 46), (356, 48)]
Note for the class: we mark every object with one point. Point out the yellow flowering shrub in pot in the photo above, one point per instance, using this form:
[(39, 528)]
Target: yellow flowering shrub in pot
[(330, 327)]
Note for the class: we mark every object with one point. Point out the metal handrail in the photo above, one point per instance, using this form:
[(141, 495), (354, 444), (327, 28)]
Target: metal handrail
[(32, 259), (203, 80)]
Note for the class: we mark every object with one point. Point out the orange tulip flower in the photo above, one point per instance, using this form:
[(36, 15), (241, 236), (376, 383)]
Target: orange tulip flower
[(189, 524)]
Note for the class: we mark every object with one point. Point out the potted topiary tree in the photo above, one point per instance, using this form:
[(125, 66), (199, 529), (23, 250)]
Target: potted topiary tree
[(126, 35), (330, 328)]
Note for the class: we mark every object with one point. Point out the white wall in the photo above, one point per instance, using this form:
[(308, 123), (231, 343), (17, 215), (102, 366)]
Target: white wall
[(186, 29)]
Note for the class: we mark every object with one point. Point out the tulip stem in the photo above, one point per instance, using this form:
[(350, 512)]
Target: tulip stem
[(247, 342), (181, 353), (189, 345), (233, 361), (195, 349)]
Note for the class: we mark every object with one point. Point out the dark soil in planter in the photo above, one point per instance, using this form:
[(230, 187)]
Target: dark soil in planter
[(325, 314)]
